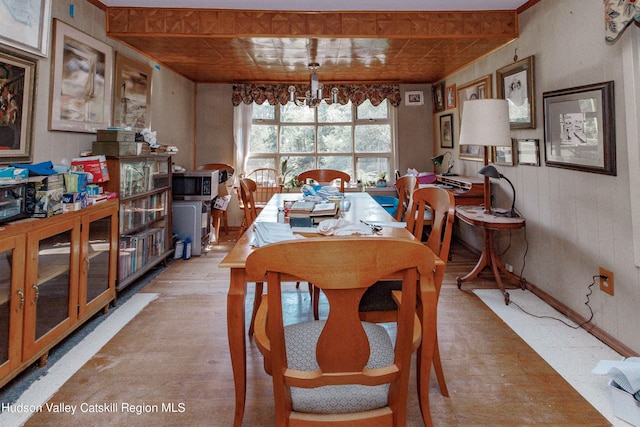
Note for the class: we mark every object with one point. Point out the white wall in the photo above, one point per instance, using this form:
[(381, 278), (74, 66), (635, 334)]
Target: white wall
[(172, 98), (576, 221)]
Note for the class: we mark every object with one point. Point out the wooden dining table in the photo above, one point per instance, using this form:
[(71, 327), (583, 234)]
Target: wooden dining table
[(362, 207)]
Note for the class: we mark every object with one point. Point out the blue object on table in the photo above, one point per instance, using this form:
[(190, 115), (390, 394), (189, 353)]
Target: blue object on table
[(389, 203), (44, 168)]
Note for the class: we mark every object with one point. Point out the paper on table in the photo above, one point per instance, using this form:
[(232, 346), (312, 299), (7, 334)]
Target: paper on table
[(272, 232), (390, 224)]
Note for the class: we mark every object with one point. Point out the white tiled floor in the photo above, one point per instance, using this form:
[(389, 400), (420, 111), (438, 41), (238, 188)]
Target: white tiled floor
[(573, 353)]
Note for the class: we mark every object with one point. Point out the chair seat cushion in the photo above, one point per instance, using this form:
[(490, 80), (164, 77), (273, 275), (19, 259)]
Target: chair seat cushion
[(301, 342), (378, 297)]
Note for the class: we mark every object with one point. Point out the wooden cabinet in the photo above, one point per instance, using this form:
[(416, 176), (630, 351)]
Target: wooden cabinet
[(143, 184), (55, 273)]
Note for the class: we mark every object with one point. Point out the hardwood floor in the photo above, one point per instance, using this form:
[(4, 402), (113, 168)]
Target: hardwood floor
[(175, 352)]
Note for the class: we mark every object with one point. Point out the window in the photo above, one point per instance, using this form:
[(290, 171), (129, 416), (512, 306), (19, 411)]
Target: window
[(357, 140)]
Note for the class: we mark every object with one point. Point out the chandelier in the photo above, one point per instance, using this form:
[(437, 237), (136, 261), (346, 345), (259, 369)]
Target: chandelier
[(313, 97)]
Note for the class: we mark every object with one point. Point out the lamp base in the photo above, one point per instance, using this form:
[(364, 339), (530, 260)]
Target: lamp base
[(511, 213)]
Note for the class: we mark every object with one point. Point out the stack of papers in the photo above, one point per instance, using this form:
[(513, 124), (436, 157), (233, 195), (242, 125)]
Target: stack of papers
[(271, 232)]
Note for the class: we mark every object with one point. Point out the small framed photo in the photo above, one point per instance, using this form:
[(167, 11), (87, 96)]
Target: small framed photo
[(415, 97), (471, 152), (446, 131), (438, 97), (81, 81), (17, 88), (528, 152), (451, 96), (504, 155), (579, 128), (515, 84)]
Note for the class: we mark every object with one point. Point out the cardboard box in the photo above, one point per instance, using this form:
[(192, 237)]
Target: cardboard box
[(624, 405), (115, 148), (13, 174), (96, 166), (48, 203), (120, 135)]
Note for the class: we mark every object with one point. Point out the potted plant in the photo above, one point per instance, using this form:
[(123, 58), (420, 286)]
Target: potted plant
[(382, 180)]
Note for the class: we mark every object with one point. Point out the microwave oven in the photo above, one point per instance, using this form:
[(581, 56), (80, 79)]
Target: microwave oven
[(16, 201), (195, 185)]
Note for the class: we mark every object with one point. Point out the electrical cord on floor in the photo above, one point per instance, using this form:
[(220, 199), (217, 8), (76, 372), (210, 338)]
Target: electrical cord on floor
[(597, 276)]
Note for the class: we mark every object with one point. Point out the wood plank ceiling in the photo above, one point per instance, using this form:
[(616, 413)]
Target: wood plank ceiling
[(240, 46)]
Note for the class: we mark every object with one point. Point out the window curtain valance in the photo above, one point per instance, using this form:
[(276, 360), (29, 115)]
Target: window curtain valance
[(618, 14), (279, 93)]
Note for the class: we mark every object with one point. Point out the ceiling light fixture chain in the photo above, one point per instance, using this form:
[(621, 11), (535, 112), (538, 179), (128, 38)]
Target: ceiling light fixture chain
[(313, 97)]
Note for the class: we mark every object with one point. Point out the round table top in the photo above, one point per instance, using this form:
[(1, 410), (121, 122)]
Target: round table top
[(475, 215)]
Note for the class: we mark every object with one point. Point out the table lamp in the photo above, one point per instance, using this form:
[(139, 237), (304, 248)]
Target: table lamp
[(485, 122), (491, 172), (437, 160)]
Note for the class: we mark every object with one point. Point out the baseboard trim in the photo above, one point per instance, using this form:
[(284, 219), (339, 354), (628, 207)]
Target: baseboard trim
[(603, 336)]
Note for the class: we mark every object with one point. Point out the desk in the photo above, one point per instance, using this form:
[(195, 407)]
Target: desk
[(475, 216), (362, 207)]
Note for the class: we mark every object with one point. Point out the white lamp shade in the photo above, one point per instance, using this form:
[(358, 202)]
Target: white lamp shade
[(485, 122)]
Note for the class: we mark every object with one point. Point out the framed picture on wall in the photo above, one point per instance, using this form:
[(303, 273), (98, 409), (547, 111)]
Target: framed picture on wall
[(504, 156), (81, 81), (446, 131), (438, 97), (132, 103), (579, 128), (415, 97), (26, 25), (515, 84), (528, 152), (451, 96), (18, 86), (476, 89)]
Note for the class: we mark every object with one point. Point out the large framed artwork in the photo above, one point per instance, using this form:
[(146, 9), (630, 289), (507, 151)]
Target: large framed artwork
[(17, 86), (26, 25), (81, 81), (579, 128), (476, 89), (132, 103), (515, 84)]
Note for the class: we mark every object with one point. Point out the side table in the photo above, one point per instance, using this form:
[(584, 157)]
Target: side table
[(475, 216)]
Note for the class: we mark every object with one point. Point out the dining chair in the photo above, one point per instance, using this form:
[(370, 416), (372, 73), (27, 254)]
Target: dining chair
[(247, 191), (219, 216), (405, 186), (322, 177), (267, 183), (325, 177), (377, 305), (342, 371)]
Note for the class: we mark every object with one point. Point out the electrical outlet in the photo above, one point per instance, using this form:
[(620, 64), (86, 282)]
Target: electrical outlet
[(606, 285)]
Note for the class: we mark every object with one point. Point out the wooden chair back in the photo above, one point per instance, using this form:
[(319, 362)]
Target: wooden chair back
[(442, 205), (325, 177), (247, 192), (405, 186), (344, 268), (267, 182)]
